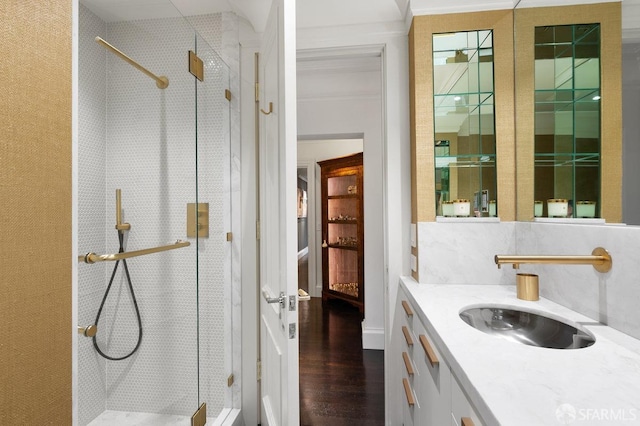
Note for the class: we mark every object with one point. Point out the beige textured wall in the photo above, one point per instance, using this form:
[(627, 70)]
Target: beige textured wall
[(35, 218)]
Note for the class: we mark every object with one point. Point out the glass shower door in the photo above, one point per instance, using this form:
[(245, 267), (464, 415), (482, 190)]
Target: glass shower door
[(213, 153), (164, 149)]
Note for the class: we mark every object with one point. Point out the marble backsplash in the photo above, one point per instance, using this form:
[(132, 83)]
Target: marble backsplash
[(462, 253)]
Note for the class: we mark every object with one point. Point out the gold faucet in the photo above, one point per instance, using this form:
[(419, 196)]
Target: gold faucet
[(599, 258)]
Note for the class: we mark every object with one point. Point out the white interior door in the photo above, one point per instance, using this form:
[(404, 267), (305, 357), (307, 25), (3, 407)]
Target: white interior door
[(278, 219)]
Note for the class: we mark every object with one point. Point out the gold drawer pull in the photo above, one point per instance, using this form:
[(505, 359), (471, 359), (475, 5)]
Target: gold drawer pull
[(407, 308), (408, 393), (407, 363), (466, 421), (428, 350), (407, 335)]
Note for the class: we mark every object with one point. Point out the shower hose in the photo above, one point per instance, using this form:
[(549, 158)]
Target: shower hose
[(135, 304)]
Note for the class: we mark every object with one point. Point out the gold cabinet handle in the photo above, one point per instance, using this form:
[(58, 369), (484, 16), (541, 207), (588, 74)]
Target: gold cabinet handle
[(408, 393), (407, 308), (407, 335), (466, 421), (428, 350), (407, 363), (270, 109)]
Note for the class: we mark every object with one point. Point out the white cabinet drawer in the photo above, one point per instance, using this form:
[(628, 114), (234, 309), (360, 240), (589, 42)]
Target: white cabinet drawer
[(434, 387), (462, 411)]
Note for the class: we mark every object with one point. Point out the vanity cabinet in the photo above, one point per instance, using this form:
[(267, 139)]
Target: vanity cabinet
[(425, 387), (462, 412), (434, 387), (343, 230)]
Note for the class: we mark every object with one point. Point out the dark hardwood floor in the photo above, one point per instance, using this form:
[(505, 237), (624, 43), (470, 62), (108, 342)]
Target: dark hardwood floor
[(340, 383)]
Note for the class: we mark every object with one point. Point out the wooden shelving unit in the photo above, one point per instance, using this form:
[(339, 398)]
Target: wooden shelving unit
[(343, 230)]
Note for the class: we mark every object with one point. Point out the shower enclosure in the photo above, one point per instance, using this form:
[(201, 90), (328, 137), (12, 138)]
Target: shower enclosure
[(172, 154)]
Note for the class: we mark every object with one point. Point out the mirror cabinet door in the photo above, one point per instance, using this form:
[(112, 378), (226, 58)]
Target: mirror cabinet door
[(464, 125), (569, 111), (462, 115), (567, 120)]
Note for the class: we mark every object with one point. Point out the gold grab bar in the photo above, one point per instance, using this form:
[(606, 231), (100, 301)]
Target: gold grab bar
[(162, 82), (600, 259), (93, 258)]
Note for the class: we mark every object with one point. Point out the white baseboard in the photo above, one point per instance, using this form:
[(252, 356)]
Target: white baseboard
[(372, 338)]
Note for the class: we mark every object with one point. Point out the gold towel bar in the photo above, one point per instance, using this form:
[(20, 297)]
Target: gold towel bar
[(93, 258), (162, 82)]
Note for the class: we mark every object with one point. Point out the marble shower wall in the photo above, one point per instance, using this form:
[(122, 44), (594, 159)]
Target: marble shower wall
[(462, 253)]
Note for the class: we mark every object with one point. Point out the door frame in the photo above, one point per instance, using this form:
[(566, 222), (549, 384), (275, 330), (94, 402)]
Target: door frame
[(311, 225)]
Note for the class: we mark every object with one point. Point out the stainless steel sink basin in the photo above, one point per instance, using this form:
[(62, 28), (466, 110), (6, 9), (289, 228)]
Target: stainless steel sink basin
[(526, 327)]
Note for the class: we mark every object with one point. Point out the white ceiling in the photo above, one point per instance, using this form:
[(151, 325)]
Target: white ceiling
[(327, 13)]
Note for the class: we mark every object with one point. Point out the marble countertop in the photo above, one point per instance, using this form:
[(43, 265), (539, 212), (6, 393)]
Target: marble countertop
[(515, 384)]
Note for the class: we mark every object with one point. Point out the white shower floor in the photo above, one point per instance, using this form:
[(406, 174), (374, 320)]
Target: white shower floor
[(124, 418)]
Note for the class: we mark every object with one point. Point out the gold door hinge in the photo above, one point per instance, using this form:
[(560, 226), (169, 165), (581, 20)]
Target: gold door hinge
[(227, 94), (257, 94), (196, 66), (259, 370), (197, 220), (230, 381), (257, 230), (229, 236), (199, 418)]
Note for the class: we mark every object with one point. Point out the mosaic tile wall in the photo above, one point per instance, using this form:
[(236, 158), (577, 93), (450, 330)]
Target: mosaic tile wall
[(151, 156), (92, 210)]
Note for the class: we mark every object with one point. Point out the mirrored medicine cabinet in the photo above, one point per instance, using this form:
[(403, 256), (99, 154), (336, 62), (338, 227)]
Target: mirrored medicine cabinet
[(568, 111), (461, 74), (513, 108)]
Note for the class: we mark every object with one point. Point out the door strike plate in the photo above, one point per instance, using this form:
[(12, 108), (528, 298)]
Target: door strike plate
[(292, 330), (197, 220)]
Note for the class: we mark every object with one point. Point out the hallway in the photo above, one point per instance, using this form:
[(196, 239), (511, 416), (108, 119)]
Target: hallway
[(340, 384)]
